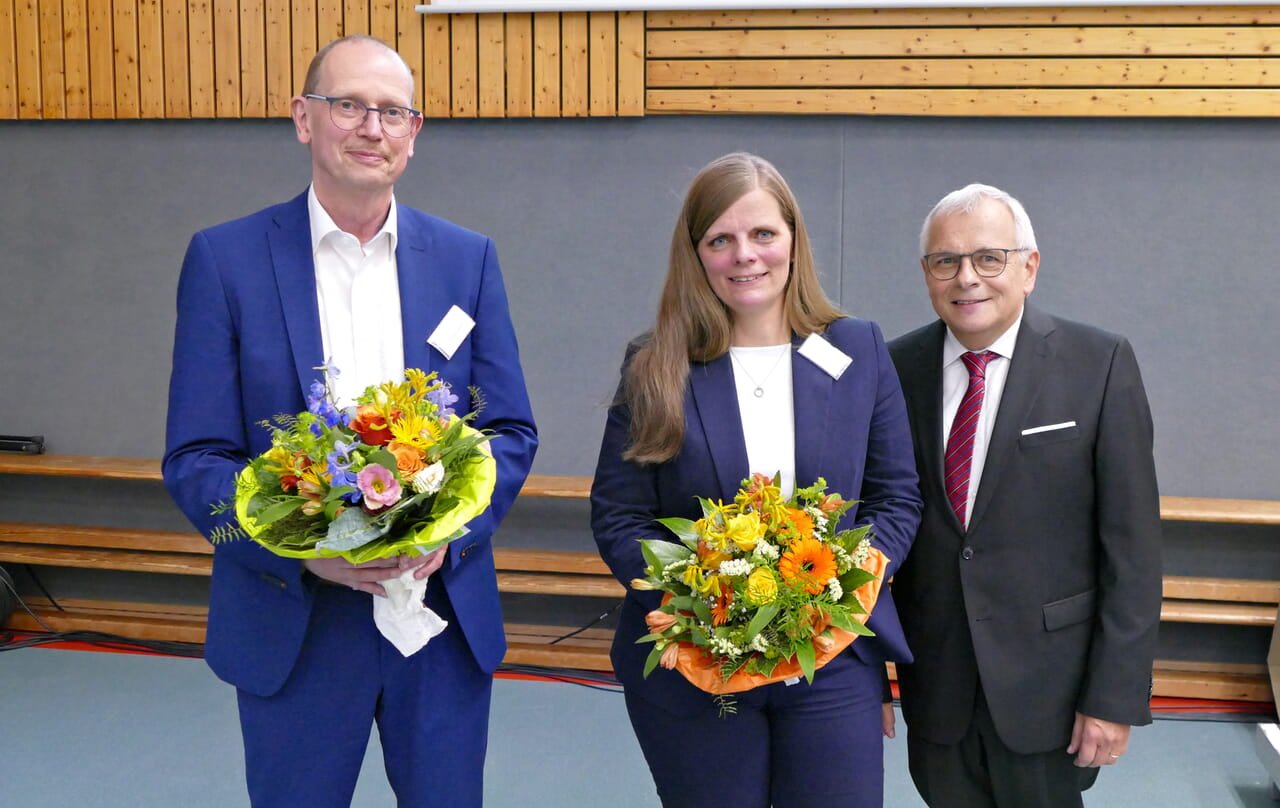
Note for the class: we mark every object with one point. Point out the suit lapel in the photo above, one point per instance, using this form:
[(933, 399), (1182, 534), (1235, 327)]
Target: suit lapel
[(715, 401), (1031, 356), (291, 259), (922, 385), (811, 387), (421, 306)]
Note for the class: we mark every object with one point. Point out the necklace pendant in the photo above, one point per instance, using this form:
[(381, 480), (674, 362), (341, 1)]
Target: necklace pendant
[(759, 392)]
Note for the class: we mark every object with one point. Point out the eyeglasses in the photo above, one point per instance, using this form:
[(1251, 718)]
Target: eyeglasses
[(988, 262), (349, 114)]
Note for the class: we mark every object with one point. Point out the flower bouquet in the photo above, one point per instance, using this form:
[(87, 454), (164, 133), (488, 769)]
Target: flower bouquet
[(759, 590), (400, 472)]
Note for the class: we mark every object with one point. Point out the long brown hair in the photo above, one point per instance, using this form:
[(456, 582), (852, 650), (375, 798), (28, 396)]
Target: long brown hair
[(693, 325)]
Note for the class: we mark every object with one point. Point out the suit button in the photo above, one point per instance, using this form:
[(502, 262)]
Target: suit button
[(966, 553), (466, 551), (274, 581)]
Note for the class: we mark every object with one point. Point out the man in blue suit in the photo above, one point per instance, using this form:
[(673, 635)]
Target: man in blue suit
[(343, 273)]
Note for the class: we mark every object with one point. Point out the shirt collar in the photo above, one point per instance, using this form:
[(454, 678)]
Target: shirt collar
[(322, 223), (1003, 345)]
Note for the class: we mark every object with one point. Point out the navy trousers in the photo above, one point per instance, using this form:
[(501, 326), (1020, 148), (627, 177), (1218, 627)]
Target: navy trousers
[(305, 744), (797, 746)]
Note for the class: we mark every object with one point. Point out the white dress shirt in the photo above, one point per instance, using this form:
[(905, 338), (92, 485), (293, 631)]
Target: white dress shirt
[(358, 292), (955, 381), (768, 420)]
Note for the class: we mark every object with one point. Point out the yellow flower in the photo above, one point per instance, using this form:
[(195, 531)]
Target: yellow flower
[(278, 459), (416, 430), (744, 530), (762, 587), (696, 578)]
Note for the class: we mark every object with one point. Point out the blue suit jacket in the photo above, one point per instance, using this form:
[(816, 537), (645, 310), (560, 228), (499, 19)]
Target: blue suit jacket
[(852, 431), (246, 348)]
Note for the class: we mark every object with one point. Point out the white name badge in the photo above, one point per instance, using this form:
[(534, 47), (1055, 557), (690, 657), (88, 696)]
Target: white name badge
[(826, 356), (453, 329)]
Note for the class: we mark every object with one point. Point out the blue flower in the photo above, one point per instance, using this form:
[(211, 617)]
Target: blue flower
[(443, 398), (340, 473)]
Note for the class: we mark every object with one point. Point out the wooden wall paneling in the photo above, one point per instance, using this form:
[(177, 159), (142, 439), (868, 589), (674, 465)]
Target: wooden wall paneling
[(75, 56), (253, 59), (631, 64), (519, 58), (277, 39), (491, 68), (463, 65), (8, 63), (26, 24), (329, 23), (52, 86), (991, 102), (546, 65), (409, 28), (437, 49), (200, 56), (303, 34), (150, 59), (947, 42), (226, 59), (125, 25), (950, 17), (382, 20), (102, 60), (575, 89), (975, 72), (177, 70), (603, 62), (355, 17)]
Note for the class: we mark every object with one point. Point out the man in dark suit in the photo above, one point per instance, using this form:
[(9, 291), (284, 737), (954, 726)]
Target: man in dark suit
[(1031, 596), (343, 273)]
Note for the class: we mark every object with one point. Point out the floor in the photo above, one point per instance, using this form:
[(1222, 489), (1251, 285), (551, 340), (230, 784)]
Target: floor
[(103, 729)]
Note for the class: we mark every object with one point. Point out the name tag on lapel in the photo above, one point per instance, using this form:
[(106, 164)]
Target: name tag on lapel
[(453, 329), (1035, 430), (826, 356)]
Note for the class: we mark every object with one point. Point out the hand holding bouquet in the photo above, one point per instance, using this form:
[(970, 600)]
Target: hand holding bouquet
[(761, 589), (400, 472)]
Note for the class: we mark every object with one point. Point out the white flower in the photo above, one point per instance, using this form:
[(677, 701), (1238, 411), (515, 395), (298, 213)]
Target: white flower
[(429, 480), (759, 643), (764, 552), (833, 586), (736, 566), (724, 647), (672, 571)]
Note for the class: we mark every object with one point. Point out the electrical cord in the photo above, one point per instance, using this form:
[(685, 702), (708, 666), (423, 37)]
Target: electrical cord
[(578, 631)]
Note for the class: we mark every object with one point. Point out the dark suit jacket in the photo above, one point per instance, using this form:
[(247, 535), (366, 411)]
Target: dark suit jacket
[(852, 431), (246, 348), (1051, 599)]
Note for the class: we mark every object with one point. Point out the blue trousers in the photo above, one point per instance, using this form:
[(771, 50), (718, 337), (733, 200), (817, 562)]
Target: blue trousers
[(304, 745), (797, 746)]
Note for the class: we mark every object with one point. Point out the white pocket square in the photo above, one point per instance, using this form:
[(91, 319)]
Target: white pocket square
[(1048, 427)]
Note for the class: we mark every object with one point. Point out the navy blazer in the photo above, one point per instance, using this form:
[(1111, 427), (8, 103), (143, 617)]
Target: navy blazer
[(247, 347), (852, 431), (1050, 600)]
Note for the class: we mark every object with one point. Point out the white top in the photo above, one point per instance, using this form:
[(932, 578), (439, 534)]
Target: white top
[(955, 381), (768, 419), (358, 292)]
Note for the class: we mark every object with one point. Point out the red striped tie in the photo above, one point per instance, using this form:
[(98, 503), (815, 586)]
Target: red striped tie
[(959, 456)]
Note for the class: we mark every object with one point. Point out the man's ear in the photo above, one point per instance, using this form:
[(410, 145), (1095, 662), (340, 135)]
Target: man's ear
[(298, 111)]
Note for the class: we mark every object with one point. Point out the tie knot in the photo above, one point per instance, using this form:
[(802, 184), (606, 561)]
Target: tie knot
[(977, 362)]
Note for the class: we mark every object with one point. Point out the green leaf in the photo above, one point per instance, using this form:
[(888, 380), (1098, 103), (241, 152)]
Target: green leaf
[(683, 528), (649, 638), (763, 616), (702, 610), (277, 511), (808, 659), (659, 553), (683, 603), (652, 662)]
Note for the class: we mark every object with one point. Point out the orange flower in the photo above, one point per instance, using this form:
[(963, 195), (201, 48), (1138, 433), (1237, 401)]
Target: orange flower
[(795, 525), (659, 621), (720, 612), (809, 564), (408, 459), (830, 502), (371, 425), (670, 656)]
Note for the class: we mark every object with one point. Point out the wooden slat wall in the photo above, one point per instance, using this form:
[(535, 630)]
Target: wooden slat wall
[(246, 58), (1109, 61)]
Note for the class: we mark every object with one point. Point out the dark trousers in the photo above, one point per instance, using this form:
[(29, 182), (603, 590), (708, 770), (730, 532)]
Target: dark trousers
[(981, 772), (797, 746), (305, 744)]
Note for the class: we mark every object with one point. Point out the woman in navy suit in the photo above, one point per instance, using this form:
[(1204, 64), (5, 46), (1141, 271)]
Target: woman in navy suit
[(735, 378)]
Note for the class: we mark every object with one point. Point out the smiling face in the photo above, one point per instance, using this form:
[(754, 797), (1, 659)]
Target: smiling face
[(746, 254), (977, 309), (348, 165)]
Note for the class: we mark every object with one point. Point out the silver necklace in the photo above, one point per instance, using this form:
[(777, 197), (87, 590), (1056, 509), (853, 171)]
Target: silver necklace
[(758, 392)]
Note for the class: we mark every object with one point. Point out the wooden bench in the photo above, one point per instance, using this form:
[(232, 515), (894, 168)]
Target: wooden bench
[(1187, 599)]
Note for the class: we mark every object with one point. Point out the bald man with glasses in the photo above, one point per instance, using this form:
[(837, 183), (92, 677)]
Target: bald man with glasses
[(344, 277), (1031, 596)]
